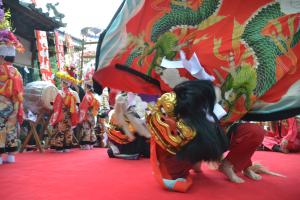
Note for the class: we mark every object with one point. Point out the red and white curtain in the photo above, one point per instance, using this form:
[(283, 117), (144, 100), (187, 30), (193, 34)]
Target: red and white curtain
[(60, 55), (70, 50), (43, 55)]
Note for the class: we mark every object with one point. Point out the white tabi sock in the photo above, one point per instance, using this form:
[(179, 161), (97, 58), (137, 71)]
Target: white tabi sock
[(11, 158)]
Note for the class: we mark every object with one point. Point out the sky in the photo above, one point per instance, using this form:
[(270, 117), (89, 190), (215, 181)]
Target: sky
[(84, 13)]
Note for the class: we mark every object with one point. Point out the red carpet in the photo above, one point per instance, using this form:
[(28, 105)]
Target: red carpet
[(92, 175)]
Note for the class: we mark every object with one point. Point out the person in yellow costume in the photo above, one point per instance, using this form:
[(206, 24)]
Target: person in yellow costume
[(65, 115)]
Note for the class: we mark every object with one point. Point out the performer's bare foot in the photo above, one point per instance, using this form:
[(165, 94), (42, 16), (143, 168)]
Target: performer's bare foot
[(227, 169), (251, 174), (197, 167)]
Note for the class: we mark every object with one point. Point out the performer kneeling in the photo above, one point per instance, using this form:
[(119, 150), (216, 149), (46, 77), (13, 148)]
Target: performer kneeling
[(128, 137), (185, 131), (88, 110), (65, 115)]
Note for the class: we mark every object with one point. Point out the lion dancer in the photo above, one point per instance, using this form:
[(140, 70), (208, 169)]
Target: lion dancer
[(128, 137), (11, 93), (185, 131), (88, 111), (65, 115)]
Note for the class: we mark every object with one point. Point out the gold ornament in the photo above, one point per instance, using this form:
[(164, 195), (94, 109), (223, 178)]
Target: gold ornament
[(169, 132)]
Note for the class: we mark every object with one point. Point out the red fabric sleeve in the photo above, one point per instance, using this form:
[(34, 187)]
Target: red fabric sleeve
[(57, 115), (18, 93), (160, 163), (83, 108)]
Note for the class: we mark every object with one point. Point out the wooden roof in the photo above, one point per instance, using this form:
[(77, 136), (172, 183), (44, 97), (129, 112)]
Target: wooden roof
[(26, 18)]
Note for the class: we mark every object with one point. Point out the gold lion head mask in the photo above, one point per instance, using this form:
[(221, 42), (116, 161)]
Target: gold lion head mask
[(169, 132)]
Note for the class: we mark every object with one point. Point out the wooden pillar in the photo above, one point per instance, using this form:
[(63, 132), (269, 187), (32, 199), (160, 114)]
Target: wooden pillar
[(82, 53)]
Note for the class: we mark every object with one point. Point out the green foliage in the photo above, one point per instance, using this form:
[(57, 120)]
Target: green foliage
[(6, 23), (54, 68)]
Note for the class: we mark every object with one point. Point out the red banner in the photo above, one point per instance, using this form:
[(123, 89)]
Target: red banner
[(69, 42), (70, 50), (43, 55), (60, 56)]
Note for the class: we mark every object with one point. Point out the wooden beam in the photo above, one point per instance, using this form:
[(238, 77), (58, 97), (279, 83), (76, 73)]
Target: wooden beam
[(94, 56), (41, 21), (90, 42), (81, 64)]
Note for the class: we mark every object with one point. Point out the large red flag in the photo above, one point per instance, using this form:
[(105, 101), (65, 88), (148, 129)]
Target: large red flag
[(251, 47)]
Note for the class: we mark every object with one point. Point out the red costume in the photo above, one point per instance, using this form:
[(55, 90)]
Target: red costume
[(285, 137), (65, 99), (11, 106), (88, 110), (176, 144), (89, 103), (11, 89), (64, 117), (243, 143), (170, 172)]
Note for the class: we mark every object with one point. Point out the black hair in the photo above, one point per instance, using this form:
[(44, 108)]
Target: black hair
[(194, 101), (80, 91), (10, 59), (97, 87), (89, 87)]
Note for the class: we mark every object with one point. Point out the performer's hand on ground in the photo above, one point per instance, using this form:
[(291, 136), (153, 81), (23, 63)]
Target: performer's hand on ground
[(227, 169)]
